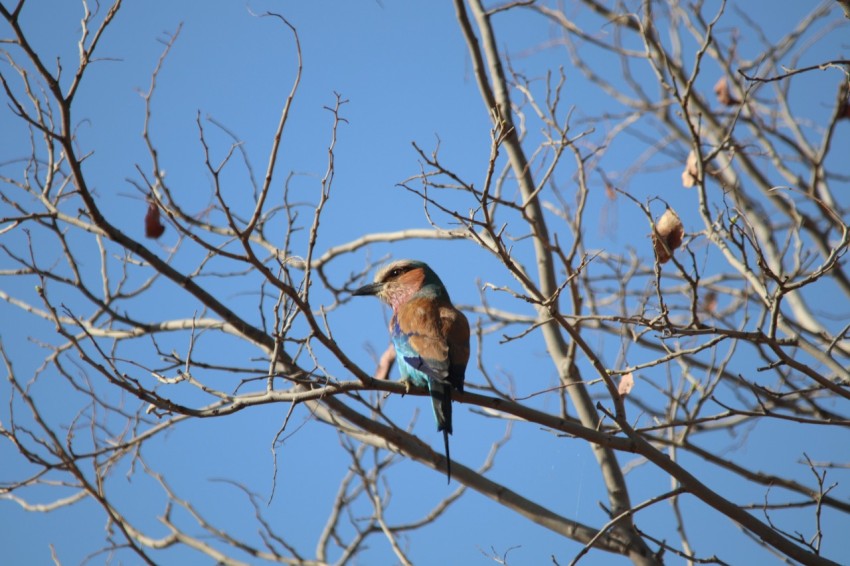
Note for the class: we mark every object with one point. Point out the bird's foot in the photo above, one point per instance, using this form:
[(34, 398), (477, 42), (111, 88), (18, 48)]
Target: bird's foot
[(407, 387)]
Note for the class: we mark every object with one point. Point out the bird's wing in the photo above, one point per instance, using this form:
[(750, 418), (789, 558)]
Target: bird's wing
[(435, 338), (426, 348), (455, 329)]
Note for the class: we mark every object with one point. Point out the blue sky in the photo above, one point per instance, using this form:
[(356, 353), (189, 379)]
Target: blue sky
[(404, 72)]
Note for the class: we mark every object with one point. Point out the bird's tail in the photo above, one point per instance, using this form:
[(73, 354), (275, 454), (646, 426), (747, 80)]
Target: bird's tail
[(448, 456), (441, 399)]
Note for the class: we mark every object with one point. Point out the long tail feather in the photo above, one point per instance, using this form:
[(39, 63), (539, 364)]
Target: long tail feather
[(448, 456), (441, 399)]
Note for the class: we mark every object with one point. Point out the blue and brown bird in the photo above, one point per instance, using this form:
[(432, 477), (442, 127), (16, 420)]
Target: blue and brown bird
[(430, 336)]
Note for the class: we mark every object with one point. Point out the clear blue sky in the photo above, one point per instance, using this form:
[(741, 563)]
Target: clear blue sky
[(404, 71)]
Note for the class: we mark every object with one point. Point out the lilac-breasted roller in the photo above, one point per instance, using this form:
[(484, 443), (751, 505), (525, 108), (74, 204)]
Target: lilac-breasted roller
[(430, 336)]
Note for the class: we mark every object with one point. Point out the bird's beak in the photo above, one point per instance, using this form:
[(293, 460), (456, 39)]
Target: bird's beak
[(371, 289)]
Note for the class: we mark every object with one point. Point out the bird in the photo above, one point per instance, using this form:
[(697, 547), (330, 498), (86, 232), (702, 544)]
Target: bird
[(430, 335)]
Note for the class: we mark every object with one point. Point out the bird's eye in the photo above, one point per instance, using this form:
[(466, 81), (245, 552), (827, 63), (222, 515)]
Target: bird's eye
[(395, 272)]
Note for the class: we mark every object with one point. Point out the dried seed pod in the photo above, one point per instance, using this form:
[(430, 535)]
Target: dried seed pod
[(709, 302), (669, 231), (153, 225), (690, 174), (724, 97), (627, 382)]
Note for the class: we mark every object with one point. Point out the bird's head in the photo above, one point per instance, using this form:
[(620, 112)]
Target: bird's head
[(397, 282)]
